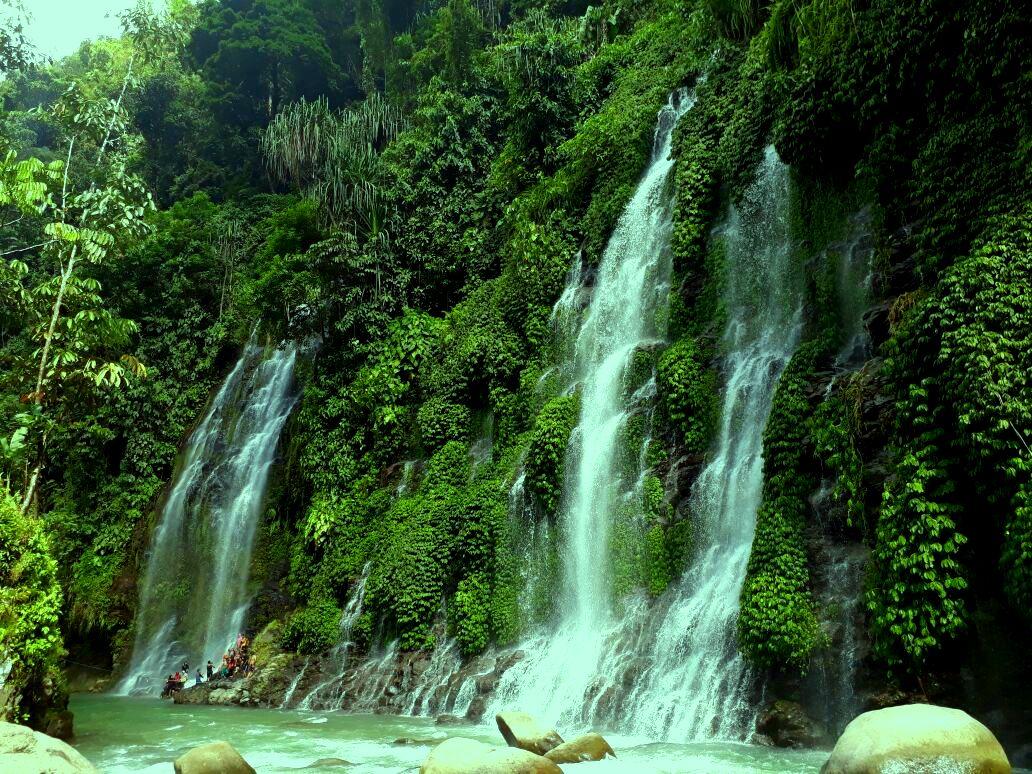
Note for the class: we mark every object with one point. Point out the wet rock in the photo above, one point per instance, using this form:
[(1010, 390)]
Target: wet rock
[(213, 758), (590, 747), (916, 738), (521, 730), (451, 720), (476, 710), (25, 750), (59, 724), (462, 756), (508, 661), (226, 695), (487, 683), (786, 724), (408, 740)]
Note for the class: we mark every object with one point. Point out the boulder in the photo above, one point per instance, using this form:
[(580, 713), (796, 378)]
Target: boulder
[(213, 758), (229, 694), (451, 720), (918, 739), (590, 747), (523, 731), (476, 710), (25, 750), (59, 724), (786, 724), (466, 756)]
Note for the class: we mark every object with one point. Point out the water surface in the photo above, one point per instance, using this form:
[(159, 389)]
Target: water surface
[(135, 734)]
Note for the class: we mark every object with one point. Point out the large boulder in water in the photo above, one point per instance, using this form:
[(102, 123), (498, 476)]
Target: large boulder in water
[(917, 739), (523, 731), (213, 758), (25, 750), (466, 756), (590, 747)]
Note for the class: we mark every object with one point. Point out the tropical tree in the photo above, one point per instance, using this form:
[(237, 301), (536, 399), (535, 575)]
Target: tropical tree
[(88, 207)]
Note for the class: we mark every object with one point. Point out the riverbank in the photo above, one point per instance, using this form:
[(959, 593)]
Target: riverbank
[(128, 734)]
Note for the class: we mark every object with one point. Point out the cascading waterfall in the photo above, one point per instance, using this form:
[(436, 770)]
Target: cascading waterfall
[(331, 692), (697, 684), (194, 593), (630, 288), (672, 671), (840, 581)]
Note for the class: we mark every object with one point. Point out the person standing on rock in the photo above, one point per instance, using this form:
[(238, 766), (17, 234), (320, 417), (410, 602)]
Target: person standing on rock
[(211, 669), (198, 680)]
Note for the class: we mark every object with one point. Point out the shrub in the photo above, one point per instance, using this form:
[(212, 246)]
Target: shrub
[(546, 455)]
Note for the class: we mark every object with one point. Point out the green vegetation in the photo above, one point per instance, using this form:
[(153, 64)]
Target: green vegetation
[(778, 624), (30, 606), (410, 184)]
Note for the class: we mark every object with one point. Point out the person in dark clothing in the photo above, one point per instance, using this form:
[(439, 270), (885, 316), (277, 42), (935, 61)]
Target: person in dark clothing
[(211, 669)]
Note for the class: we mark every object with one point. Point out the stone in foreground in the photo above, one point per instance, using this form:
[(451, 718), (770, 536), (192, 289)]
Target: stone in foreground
[(466, 756), (590, 747), (523, 731), (214, 758), (25, 750), (917, 739)]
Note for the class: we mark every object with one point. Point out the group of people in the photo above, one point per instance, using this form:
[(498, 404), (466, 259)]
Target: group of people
[(238, 661)]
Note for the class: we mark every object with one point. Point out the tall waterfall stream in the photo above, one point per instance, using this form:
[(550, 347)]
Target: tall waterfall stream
[(194, 593), (688, 681)]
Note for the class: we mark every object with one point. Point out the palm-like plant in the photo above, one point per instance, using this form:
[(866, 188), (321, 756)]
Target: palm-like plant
[(333, 156)]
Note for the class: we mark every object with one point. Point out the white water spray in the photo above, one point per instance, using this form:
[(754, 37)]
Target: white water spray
[(631, 286), (697, 684), (194, 595)]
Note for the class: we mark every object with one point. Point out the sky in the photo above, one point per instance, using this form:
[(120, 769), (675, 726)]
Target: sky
[(57, 27)]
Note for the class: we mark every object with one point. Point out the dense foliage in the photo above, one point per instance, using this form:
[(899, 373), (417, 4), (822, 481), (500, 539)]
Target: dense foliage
[(410, 184)]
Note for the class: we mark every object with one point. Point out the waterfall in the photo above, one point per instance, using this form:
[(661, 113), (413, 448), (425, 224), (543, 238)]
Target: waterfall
[(670, 670), (339, 656), (630, 288), (697, 685), (854, 278), (194, 593), (832, 686)]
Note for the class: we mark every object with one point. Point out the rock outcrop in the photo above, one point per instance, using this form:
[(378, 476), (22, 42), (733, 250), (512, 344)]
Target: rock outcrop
[(786, 724), (462, 756), (590, 747), (521, 730), (25, 750), (918, 739), (214, 758)]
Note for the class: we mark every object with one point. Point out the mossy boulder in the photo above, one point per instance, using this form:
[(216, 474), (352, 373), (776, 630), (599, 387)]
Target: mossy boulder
[(214, 758)]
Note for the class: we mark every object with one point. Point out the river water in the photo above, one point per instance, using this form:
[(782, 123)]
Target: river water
[(135, 734)]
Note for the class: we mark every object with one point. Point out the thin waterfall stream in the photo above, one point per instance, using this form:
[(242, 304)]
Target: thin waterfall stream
[(194, 594), (330, 693)]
